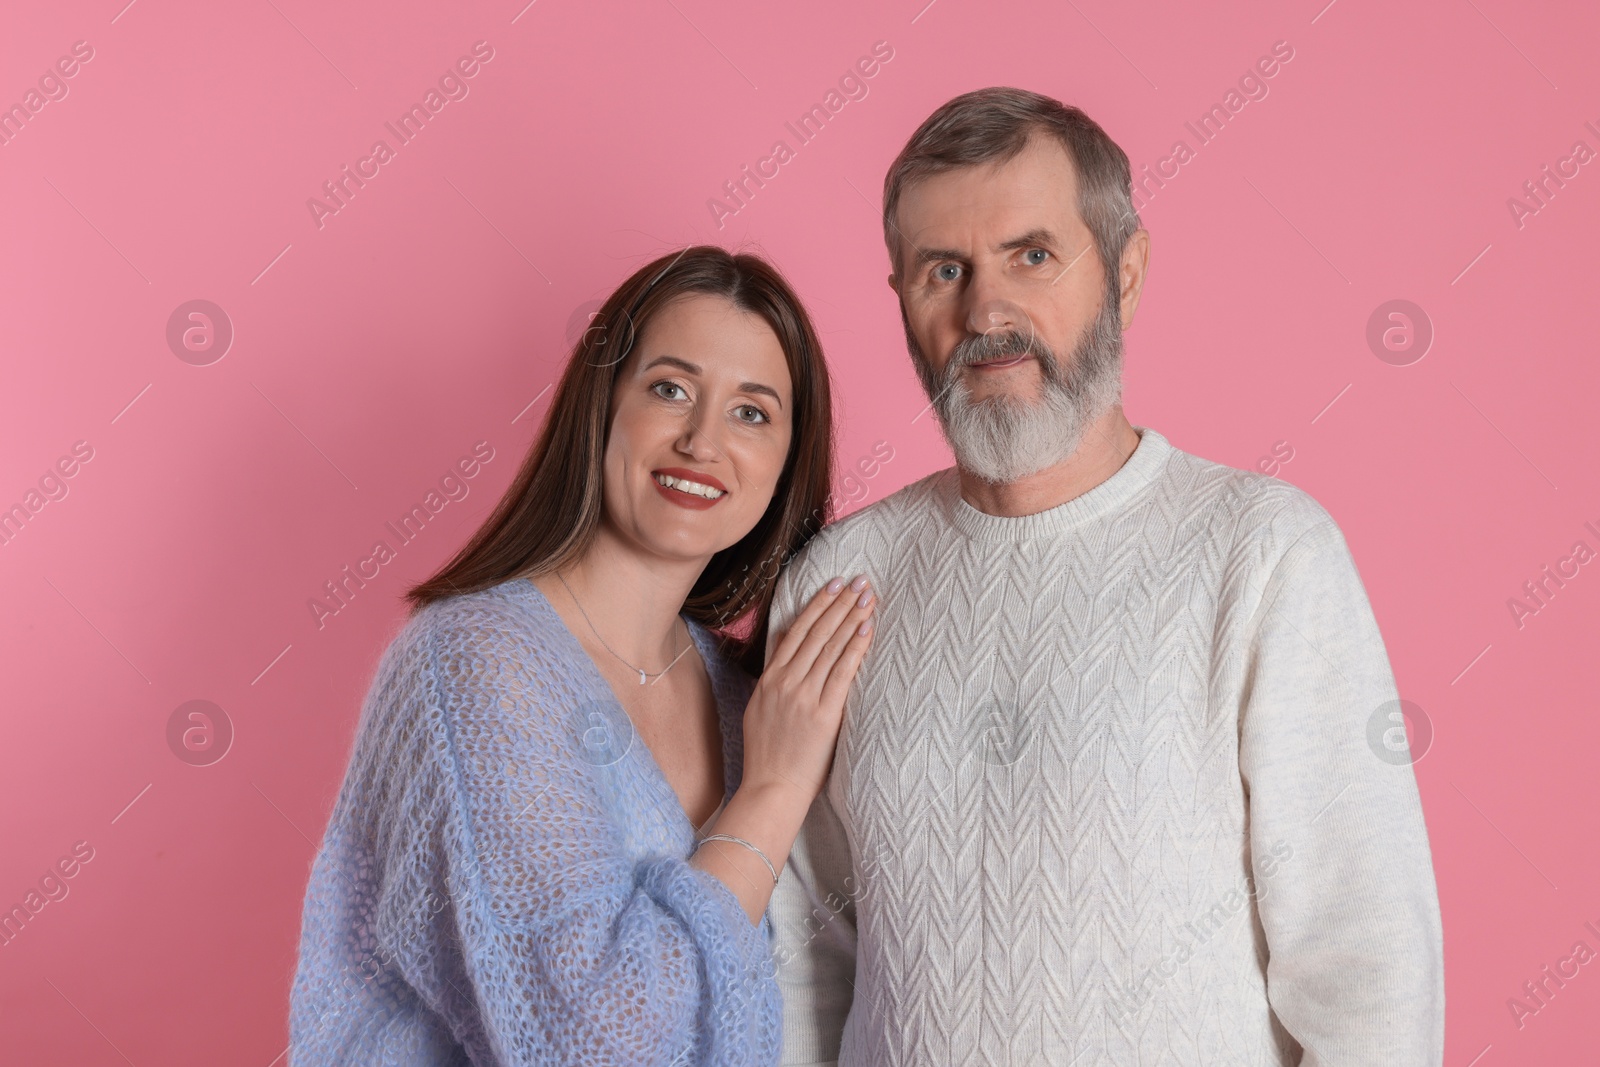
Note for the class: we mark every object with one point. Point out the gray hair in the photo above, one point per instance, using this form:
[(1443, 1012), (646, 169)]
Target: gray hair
[(993, 125)]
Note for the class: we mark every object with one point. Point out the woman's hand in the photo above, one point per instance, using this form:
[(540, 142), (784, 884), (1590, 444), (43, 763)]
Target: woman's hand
[(792, 721), (791, 725)]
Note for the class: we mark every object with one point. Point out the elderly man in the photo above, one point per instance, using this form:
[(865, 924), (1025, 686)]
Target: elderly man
[(1104, 792)]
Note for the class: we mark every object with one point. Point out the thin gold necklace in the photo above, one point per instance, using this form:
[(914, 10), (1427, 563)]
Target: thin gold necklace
[(642, 673)]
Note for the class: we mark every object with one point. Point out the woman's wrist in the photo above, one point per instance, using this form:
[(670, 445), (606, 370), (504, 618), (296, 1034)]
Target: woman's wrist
[(776, 796), (768, 816), (755, 850)]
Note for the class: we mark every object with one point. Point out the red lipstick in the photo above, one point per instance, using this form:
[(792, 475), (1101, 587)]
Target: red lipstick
[(689, 500)]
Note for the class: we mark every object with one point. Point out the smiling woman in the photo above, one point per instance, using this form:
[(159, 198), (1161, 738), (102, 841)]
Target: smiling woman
[(702, 413), (520, 866), (698, 299)]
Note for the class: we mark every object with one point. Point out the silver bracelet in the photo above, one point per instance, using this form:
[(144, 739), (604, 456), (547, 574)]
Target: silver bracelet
[(741, 841)]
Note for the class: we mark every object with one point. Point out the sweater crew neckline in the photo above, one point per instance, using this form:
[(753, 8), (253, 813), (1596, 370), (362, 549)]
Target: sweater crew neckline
[(1132, 478)]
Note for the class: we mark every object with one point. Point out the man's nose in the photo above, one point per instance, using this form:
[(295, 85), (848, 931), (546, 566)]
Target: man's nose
[(998, 315), (990, 308)]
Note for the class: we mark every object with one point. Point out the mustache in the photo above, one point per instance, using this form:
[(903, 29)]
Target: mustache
[(999, 344)]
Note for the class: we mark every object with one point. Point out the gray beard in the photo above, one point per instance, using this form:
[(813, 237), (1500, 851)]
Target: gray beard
[(1002, 438)]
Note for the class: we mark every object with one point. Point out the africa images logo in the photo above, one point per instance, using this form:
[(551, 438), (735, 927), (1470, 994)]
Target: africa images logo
[(452, 86), (852, 86)]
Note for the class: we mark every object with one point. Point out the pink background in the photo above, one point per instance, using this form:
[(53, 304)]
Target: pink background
[(432, 312)]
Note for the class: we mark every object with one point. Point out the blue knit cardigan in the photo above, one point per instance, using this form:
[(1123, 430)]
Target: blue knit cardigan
[(504, 878)]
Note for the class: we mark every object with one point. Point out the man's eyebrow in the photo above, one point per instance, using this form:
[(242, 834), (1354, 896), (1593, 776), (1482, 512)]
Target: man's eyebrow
[(694, 368), (931, 255), (1034, 237)]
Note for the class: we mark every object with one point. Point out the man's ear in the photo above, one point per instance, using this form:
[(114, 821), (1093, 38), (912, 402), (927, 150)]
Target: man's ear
[(1131, 273), (893, 284)]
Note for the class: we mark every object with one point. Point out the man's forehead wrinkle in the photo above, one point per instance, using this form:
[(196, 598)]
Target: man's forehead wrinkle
[(936, 242), (921, 242), (961, 212)]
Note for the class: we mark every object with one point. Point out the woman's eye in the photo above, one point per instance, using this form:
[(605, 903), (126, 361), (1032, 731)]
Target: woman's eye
[(659, 386), (751, 414), (1030, 253)]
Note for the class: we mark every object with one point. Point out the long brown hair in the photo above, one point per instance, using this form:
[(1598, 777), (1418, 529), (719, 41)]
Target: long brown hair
[(549, 514)]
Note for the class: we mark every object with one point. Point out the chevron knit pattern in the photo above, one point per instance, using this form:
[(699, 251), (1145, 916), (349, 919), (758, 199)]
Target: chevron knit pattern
[(1105, 793), (504, 880)]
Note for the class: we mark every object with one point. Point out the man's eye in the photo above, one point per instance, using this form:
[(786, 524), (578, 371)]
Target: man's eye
[(751, 414), (659, 386), (947, 272), (1030, 253)]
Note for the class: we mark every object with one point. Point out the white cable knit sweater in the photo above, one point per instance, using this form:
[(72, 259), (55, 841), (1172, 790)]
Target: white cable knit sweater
[(1105, 792)]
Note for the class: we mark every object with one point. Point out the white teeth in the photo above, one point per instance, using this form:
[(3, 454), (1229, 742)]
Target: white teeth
[(684, 485)]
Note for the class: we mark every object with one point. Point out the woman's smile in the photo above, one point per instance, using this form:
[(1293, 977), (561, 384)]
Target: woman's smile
[(687, 488)]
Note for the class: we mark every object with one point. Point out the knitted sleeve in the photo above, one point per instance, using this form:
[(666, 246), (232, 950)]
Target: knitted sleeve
[(576, 954), (1343, 875), (477, 899)]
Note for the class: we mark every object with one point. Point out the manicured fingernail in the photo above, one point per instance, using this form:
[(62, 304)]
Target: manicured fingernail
[(865, 599), (835, 585), (865, 628), (860, 582)]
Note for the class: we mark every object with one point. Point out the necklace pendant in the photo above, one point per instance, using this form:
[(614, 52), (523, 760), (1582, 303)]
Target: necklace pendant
[(641, 677)]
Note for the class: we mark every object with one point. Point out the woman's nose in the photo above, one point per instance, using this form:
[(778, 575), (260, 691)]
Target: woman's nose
[(697, 442)]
